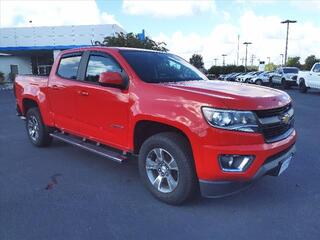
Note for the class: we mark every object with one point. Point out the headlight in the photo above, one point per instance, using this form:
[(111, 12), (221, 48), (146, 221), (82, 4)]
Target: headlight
[(244, 121)]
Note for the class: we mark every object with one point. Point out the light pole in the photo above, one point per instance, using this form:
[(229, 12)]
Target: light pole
[(268, 60), (215, 61), (286, 52), (281, 59), (224, 62), (246, 59)]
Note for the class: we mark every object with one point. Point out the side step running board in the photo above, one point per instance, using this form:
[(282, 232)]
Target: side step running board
[(92, 147)]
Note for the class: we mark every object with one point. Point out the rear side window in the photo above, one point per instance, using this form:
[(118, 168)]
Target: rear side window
[(100, 64), (68, 67)]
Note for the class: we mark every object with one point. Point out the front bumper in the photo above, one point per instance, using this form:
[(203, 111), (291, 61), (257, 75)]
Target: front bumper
[(291, 82), (216, 189)]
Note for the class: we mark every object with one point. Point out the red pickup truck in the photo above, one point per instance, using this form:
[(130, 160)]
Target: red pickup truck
[(189, 132)]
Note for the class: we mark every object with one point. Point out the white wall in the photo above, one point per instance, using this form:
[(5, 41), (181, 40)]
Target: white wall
[(56, 36), (24, 65)]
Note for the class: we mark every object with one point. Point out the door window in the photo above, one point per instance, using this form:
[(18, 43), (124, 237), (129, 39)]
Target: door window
[(68, 67), (100, 64), (316, 68)]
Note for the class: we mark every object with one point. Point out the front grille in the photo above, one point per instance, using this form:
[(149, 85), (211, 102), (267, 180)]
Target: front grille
[(277, 129), (273, 112)]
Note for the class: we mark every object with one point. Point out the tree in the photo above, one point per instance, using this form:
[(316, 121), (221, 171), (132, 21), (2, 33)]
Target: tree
[(132, 40), (197, 61), (294, 62), (310, 61), (217, 70), (270, 67)]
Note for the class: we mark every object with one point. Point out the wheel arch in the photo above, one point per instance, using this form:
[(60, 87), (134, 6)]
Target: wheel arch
[(144, 129), (28, 103)]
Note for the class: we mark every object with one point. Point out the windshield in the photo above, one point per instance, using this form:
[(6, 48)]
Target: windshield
[(290, 70), (157, 67)]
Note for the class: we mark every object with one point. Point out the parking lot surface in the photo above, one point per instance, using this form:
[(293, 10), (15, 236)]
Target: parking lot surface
[(62, 192)]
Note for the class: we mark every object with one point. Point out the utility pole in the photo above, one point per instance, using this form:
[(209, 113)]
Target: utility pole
[(224, 62), (242, 61), (286, 52), (238, 50), (246, 59), (215, 61), (281, 59), (252, 59)]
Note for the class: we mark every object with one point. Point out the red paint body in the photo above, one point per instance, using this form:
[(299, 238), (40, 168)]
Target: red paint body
[(109, 115)]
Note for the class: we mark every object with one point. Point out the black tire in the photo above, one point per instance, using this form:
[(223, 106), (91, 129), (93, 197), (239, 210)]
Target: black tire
[(284, 84), (259, 82), (40, 137), (178, 147), (302, 86), (270, 82)]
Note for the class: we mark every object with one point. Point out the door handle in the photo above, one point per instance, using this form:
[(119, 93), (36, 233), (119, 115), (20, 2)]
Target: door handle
[(83, 93), (55, 87)]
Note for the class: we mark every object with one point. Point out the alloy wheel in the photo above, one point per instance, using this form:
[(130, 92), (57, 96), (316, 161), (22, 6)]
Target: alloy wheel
[(162, 170), (33, 128)]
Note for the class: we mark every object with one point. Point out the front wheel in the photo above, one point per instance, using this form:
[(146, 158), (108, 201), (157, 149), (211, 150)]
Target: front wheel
[(259, 82), (166, 168), (284, 84), (270, 82), (38, 133), (302, 87)]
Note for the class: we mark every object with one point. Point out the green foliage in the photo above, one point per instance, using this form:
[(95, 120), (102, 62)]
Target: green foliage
[(217, 70), (294, 62), (310, 61), (197, 61), (270, 67), (132, 40)]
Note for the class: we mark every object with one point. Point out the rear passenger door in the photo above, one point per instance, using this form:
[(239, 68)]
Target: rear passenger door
[(102, 112), (62, 91)]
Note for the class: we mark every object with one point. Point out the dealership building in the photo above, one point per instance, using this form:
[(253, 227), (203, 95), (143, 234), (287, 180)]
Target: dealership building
[(31, 50)]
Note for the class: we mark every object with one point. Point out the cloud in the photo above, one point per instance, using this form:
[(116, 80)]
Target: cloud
[(265, 32), (167, 8), (52, 13)]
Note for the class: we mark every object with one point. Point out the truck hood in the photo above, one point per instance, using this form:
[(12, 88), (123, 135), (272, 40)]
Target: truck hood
[(235, 95)]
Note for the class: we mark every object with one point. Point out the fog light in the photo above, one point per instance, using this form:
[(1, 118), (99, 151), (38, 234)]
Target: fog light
[(235, 163)]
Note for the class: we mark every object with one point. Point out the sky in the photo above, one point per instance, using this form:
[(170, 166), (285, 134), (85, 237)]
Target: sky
[(207, 27)]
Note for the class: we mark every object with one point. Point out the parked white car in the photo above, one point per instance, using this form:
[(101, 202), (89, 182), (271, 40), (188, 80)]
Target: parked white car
[(245, 78), (261, 79), (309, 79), (285, 76)]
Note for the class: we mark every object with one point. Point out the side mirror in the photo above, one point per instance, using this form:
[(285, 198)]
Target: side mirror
[(112, 79)]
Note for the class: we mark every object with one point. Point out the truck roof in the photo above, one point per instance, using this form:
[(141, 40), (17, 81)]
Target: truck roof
[(99, 48)]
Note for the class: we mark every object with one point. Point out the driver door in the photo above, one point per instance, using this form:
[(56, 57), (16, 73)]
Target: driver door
[(102, 112), (315, 77)]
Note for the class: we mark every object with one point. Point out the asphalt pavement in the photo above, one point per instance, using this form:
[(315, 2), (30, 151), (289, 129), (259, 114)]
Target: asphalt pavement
[(62, 192)]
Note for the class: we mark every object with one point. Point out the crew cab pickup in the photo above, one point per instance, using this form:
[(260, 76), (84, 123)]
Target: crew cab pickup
[(285, 76), (309, 79), (186, 131)]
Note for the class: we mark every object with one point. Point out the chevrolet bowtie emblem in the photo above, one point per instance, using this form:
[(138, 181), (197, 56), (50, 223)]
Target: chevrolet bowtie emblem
[(285, 118)]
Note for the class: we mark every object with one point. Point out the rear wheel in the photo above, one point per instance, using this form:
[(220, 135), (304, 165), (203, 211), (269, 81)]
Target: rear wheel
[(166, 168), (38, 133), (302, 87)]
